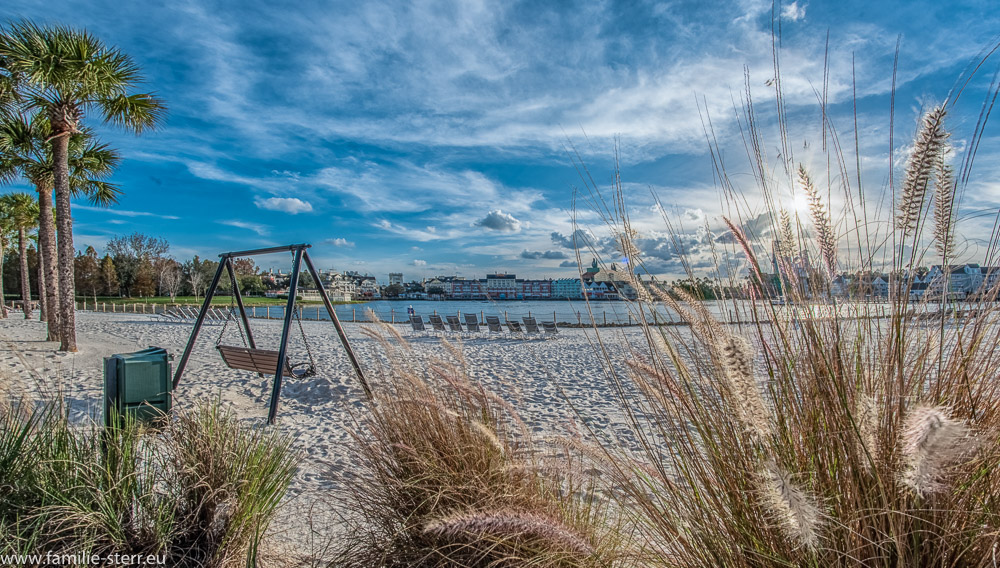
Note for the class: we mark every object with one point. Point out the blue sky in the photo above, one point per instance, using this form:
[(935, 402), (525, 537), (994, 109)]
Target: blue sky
[(433, 137)]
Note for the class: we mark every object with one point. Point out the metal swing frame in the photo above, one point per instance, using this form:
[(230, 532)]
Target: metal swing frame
[(300, 254)]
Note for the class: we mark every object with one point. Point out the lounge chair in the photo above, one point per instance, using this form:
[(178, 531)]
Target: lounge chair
[(455, 324), (530, 325), (436, 322), (472, 323), (493, 324), (417, 323), (514, 327), (550, 328)]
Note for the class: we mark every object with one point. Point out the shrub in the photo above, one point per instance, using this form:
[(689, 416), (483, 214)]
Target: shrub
[(200, 490), (446, 480), (826, 432)]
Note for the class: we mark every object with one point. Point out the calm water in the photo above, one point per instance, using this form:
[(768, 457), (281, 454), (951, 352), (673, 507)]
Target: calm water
[(559, 311)]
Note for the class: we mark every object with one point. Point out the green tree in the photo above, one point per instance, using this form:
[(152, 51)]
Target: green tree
[(67, 75), (134, 256), (198, 273), (88, 272), (22, 211), (392, 291), (25, 150), (109, 276)]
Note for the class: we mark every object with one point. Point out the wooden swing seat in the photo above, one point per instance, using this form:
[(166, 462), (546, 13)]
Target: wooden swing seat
[(259, 361)]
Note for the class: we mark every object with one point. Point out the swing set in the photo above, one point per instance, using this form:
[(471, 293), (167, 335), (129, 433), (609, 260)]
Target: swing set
[(266, 361)]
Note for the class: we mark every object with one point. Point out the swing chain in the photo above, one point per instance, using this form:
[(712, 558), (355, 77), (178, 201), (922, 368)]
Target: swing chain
[(302, 331)]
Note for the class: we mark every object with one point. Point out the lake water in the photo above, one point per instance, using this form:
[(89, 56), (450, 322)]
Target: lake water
[(566, 312)]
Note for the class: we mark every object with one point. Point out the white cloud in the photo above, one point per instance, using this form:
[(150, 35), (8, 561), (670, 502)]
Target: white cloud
[(124, 213), (262, 230), (339, 242), (497, 220), (290, 205), (793, 12), (418, 262)]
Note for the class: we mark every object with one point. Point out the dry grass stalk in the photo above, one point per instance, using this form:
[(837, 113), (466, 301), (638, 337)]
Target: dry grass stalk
[(924, 158), (737, 359), (741, 239), (944, 216), (504, 525), (786, 239), (931, 442), (796, 512), (821, 223), (867, 420)]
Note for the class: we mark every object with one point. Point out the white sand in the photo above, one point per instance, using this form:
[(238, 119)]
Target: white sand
[(532, 374)]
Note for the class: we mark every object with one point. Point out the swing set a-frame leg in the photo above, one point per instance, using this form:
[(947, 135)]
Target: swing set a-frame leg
[(293, 287), (197, 324)]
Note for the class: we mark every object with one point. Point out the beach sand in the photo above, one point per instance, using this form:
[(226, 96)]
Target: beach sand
[(538, 376)]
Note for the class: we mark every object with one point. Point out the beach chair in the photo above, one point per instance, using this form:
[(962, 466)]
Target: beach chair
[(530, 325), (454, 324), (417, 323), (436, 322), (514, 327), (472, 323), (550, 328), (493, 324)]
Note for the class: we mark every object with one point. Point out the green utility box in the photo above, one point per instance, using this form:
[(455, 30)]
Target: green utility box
[(137, 384)]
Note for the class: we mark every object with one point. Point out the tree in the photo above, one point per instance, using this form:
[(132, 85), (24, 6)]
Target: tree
[(22, 210), (6, 233), (26, 151), (109, 276), (88, 272), (134, 256), (68, 74), (198, 273), (171, 276), (392, 291)]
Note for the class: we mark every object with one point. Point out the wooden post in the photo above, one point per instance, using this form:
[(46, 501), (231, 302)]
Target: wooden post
[(354, 314), (392, 315), (605, 316)]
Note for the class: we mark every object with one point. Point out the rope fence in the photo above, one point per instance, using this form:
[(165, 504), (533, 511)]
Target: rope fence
[(360, 314)]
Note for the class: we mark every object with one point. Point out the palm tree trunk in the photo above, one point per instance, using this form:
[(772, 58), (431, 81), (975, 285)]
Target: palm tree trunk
[(43, 305), (22, 245), (3, 298), (47, 244), (64, 241)]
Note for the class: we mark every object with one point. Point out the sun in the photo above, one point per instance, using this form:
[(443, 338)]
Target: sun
[(800, 204)]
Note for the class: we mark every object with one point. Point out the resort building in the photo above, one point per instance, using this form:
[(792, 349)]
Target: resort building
[(567, 288), (396, 278), (501, 286)]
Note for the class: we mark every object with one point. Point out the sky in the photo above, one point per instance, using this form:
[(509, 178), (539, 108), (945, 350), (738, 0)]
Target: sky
[(440, 138)]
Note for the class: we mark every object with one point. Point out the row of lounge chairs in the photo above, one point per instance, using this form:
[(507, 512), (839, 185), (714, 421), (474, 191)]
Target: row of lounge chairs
[(183, 313), (492, 323)]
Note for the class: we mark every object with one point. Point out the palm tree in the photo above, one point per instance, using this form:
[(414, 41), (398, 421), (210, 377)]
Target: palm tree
[(5, 236), (67, 74), (24, 150), (22, 211)]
